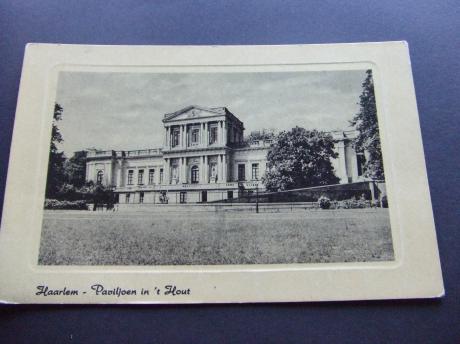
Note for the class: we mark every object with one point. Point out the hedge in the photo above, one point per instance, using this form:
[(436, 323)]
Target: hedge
[(68, 205)]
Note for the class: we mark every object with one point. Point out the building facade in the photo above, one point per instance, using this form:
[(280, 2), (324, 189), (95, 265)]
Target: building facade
[(203, 159)]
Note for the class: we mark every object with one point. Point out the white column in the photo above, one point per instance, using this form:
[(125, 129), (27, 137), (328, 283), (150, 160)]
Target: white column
[(219, 133), (206, 134), (157, 174), (224, 168), (225, 133), (219, 168), (185, 171), (119, 174), (166, 172), (354, 163), (184, 136), (200, 167), (342, 162), (168, 132), (206, 170), (201, 134), (179, 172)]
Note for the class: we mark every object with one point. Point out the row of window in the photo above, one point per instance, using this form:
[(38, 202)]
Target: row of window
[(128, 197), (194, 136), (140, 177), (195, 175), (242, 172)]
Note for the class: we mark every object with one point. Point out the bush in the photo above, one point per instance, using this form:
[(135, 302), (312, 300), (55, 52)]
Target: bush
[(324, 202), (67, 205), (355, 204)]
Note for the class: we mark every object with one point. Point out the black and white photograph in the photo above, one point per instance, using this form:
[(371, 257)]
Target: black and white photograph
[(215, 168)]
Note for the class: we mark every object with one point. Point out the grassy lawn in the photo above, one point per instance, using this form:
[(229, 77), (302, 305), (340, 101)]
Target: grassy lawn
[(142, 238)]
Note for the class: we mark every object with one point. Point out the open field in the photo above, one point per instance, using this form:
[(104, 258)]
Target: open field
[(143, 238)]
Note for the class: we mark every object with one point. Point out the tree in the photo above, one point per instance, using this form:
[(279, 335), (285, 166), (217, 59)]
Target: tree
[(98, 194), (56, 175), (300, 158), (75, 169), (366, 123)]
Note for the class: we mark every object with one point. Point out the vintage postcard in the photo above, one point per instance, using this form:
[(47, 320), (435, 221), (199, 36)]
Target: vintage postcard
[(187, 174)]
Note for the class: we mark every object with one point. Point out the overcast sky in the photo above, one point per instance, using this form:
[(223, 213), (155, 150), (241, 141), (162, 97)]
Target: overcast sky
[(123, 111)]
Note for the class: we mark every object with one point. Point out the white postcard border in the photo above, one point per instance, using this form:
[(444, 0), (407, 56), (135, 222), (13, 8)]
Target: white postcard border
[(415, 272)]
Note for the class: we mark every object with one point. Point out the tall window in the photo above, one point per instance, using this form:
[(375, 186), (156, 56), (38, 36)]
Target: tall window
[(140, 177), (255, 171), (195, 136), (183, 197), (161, 176), (99, 177), (151, 176), (195, 174), (175, 138), (141, 197), (128, 195), (213, 135), (241, 172), (130, 177)]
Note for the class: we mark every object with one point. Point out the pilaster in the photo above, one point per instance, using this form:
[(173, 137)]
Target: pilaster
[(157, 174), (219, 168), (225, 135), (167, 172), (179, 172), (167, 137), (206, 170), (201, 169), (183, 170), (224, 168), (342, 162), (120, 174), (221, 132)]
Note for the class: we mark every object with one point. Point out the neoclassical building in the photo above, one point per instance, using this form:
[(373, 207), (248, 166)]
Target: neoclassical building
[(203, 159)]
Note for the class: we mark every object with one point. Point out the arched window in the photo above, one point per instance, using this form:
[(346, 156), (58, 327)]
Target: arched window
[(195, 174), (100, 177)]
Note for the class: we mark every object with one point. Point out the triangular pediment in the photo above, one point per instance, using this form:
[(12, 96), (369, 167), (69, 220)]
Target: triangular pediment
[(194, 111)]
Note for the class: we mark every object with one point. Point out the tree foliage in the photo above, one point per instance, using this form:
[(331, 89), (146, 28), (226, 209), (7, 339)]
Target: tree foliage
[(366, 123), (97, 193), (56, 174), (66, 179), (300, 158), (75, 169)]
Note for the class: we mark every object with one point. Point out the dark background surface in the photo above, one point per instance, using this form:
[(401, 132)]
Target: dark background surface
[(431, 29)]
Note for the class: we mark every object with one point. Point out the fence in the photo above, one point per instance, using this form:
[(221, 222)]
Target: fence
[(368, 190)]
